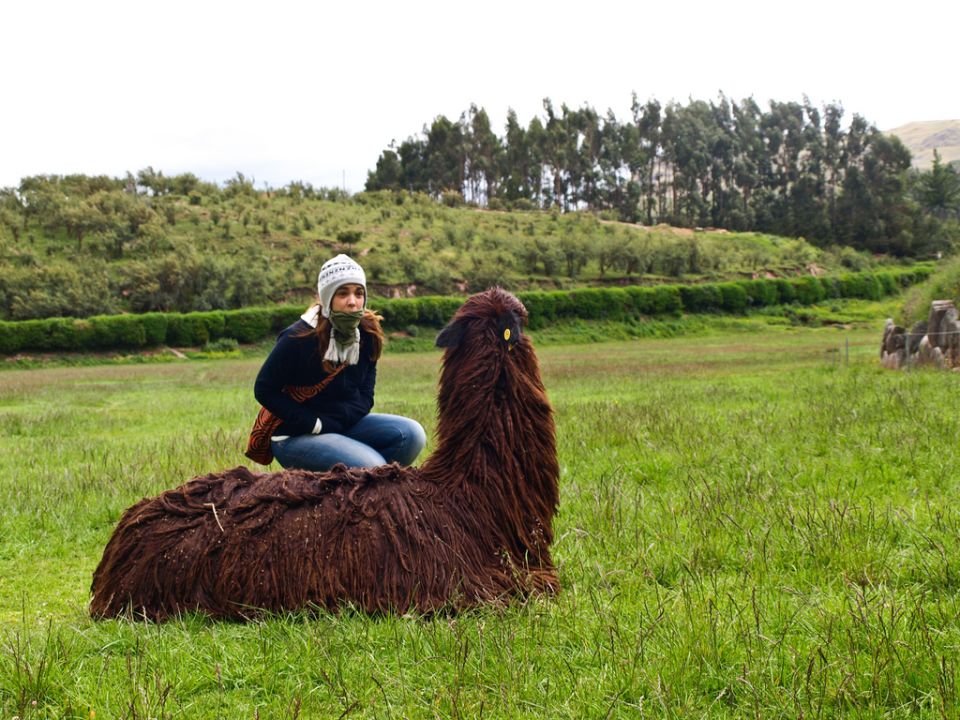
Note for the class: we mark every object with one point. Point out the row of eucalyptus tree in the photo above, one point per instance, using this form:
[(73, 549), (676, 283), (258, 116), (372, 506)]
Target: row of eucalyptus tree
[(791, 169)]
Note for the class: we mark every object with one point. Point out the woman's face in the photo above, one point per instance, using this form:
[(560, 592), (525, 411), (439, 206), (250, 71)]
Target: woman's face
[(348, 298)]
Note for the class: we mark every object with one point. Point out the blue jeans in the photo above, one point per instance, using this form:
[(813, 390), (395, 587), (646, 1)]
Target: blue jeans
[(376, 439)]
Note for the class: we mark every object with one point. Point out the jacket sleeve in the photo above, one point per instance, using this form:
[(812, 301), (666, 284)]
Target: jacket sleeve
[(343, 414), (270, 382)]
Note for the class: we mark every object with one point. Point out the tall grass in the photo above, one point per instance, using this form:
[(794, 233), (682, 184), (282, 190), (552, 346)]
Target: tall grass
[(944, 284), (750, 526)]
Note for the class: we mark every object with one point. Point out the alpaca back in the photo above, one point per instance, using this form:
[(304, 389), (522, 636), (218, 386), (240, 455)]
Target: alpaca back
[(236, 543)]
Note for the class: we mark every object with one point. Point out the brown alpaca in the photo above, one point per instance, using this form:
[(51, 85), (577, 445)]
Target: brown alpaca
[(472, 525)]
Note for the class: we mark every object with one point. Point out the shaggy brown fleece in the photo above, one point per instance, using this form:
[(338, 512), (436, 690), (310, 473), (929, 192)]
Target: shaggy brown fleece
[(472, 525)]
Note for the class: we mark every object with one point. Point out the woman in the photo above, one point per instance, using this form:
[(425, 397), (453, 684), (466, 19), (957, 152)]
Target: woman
[(339, 337)]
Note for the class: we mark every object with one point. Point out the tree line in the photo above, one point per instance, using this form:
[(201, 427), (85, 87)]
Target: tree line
[(792, 169)]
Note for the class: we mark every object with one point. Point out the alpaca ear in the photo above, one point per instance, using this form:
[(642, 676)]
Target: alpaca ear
[(452, 334)]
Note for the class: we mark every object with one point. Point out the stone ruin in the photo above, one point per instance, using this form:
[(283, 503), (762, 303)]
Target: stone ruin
[(932, 342)]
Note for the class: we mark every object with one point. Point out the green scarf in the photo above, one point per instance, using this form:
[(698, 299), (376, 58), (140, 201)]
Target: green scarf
[(345, 326), (344, 337)]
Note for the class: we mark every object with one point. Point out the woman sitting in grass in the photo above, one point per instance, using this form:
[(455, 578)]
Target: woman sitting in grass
[(338, 342)]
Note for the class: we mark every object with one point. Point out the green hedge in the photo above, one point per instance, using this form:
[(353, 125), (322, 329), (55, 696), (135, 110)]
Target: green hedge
[(252, 324)]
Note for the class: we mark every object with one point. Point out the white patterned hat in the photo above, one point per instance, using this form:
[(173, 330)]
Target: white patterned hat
[(334, 273)]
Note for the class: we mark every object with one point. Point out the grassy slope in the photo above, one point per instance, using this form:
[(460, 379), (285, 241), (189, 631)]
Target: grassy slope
[(747, 528), (416, 242)]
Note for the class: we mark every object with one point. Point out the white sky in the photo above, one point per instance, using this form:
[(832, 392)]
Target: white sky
[(314, 91)]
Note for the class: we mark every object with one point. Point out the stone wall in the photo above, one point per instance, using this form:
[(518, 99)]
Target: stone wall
[(934, 342)]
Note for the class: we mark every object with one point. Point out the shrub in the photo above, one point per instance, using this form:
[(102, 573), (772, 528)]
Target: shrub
[(831, 287), (563, 304), (807, 290), (585, 304), (451, 198), (888, 283), (187, 329), (398, 314), (58, 333), (641, 300), (283, 316), (521, 204), (760, 293), (541, 308), (667, 299), (785, 291), (431, 311), (248, 325), (873, 287), (223, 345), (701, 298), (852, 286), (11, 340), (733, 297), (118, 331), (155, 328), (252, 324)]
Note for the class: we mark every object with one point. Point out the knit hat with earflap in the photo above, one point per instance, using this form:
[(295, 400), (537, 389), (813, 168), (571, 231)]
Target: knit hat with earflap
[(334, 273)]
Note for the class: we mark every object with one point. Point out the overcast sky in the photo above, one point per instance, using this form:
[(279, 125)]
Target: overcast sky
[(314, 91)]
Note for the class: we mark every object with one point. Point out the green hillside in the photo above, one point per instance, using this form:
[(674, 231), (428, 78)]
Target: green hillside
[(922, 138), (79, 246)]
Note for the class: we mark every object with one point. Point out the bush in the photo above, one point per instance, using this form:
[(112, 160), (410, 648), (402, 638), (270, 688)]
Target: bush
[(888, 283), (67, 334), (118, 331), (521, 204), (451, 198), (831, 287), (247, 326), (563, 304), (189, 329), (851, 285), (11, 340), (733, 297), (667, 299), (398, 313), (433, 311), (598, 303), (541, 308), (874, 287), (760, 293), (223, 345), (701, 298), (641, 300), (252, 324), (155, 328), (785, 291), (283, 316), (807, 290)]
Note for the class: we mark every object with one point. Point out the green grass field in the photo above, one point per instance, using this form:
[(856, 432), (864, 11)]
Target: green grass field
[(751, 525)]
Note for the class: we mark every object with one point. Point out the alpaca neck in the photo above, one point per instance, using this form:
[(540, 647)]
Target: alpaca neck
[(497, 446)]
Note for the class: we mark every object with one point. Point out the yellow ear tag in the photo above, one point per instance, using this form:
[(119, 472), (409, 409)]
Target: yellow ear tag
[(506, 334)]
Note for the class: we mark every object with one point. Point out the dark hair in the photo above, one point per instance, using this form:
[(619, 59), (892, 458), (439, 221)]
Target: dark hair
[(372, 335)]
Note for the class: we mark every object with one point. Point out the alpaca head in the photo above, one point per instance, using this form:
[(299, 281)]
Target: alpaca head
[(486, 351), (490, 381), (490, 323)]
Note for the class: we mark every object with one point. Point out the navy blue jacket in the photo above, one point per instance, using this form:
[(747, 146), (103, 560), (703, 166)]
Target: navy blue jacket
[(298, 361)]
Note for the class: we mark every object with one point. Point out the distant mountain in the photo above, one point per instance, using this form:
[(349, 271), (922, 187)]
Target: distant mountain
[(922, 137)]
